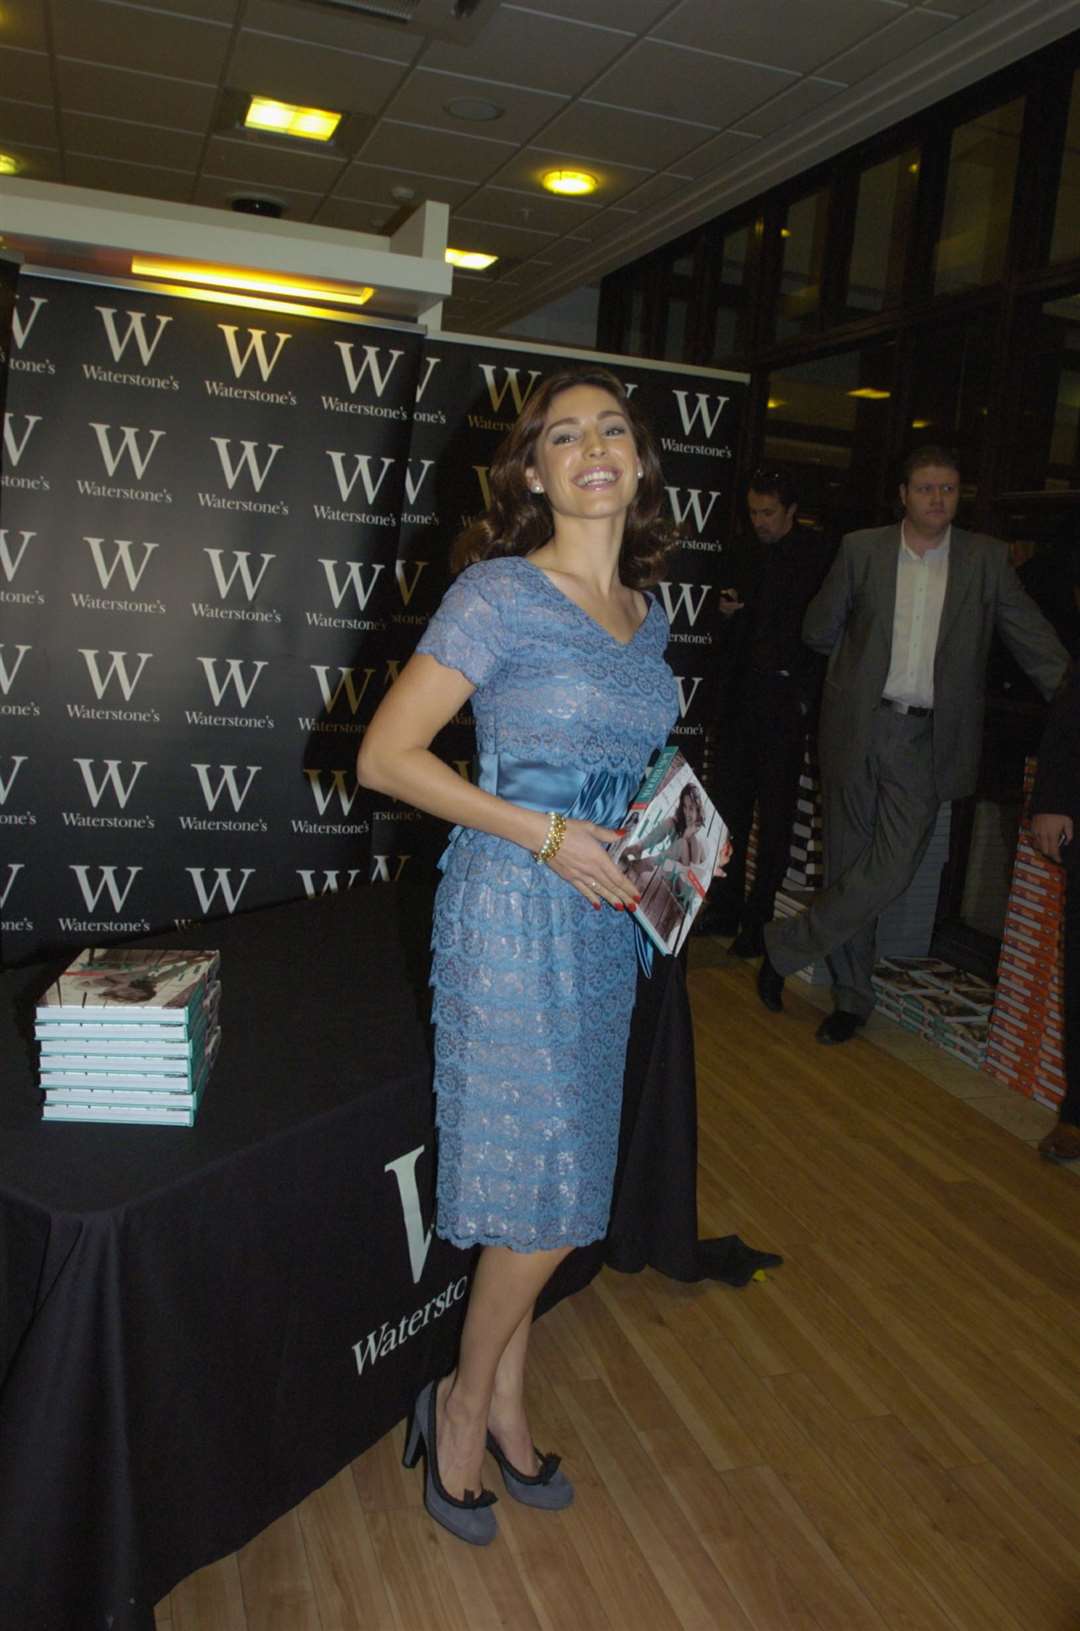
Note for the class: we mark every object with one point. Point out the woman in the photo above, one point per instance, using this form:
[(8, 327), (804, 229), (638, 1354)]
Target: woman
[(551, 636)]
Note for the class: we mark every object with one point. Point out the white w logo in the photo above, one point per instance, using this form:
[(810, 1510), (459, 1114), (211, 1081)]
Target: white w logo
[(111, 778), (380, 868), (370, 365), (702, 411), (15, 450), (92, 895), (240, 570), (129, 444), (20, 330), (9, 562), (13, 868), (345, 683), (222, 885), (422, 384), (117, 667), (408, 589), (361, 469), (234, 676), (337, 785), (247, 461), (686, 702), (684, 601), (354, 575), (412, 488), (227, 779), (122, 553), (330, 881), (482, 476), (17, 762), (255, 347), (136, 319), (7, 675), (693, 503), (404, 1170), (510, 383)]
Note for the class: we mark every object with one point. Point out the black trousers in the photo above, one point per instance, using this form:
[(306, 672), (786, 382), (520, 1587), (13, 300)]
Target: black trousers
[(1070, 1105), (759, 760)]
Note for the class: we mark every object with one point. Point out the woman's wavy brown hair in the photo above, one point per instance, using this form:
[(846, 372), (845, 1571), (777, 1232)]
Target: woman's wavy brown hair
[(519, 521)]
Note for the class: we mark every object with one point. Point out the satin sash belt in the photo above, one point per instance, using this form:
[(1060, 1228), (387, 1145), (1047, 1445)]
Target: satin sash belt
[(602, 796)]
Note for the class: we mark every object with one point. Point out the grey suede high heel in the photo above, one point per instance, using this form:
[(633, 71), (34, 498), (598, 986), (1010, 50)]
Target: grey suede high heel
[(549, 1489), (469, 1519)]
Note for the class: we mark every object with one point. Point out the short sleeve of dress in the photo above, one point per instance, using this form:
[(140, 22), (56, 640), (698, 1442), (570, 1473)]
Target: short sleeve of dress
[(471, 631)]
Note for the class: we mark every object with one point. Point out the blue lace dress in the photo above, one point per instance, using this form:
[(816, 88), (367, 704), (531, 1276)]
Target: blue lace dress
[(533, 987)]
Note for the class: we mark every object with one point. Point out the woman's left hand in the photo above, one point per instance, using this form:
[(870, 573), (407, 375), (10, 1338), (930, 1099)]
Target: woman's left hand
[(723, 856)]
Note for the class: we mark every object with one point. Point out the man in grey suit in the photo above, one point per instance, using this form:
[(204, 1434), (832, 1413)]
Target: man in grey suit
[(905, 616)]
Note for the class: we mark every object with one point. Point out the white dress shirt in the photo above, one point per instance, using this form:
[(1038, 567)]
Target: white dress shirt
[(920, 595)]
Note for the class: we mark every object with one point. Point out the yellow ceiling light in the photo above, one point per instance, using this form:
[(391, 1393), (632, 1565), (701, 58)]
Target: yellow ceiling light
[(285, 119), (921, 424), (776, 402), (9, 164), (233, 277), (785, 232), (570, 183), (870, 393), (471, 259)]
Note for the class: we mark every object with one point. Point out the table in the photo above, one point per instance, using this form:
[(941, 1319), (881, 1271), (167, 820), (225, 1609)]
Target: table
[(200, 1326)]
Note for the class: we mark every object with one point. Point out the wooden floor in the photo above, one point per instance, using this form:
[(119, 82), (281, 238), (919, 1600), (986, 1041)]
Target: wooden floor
[(885, 1433)]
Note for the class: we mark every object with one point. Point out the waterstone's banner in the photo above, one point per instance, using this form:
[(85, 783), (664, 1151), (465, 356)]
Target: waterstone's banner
[(222, 533)]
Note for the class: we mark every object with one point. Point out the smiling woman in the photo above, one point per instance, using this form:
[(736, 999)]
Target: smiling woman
[(550, 634)]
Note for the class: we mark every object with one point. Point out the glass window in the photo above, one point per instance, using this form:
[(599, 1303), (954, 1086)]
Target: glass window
[(974, 235), (1065, 244), (884, 205), (731, 313), (1046, 450), (802, 258), (950, 388), (828, 420)]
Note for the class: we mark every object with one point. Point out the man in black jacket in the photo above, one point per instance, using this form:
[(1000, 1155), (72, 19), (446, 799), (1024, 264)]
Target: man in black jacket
[(1056, 814)]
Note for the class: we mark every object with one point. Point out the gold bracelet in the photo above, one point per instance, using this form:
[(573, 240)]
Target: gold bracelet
[(555, 834)]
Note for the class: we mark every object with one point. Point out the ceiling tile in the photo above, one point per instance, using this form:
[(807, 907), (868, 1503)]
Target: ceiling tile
[(607, 223), (636, 15), (685, 84), (121, 139), (376, 183), (528, 48), (23, 24), (909, 30), (528, 209), (143, 180), (776, 32), (29, 70), (790, 105), (29, 122), (313, 26), (214, 11), (177, 103), (435, 152), (312, 74), (527, 168), (40, 163), (218, 192), (653, 191), (505, 240), (964, 7), (423, 97), (352, 215), (723, 150), (593, 130), (96, 29), (266, 166)]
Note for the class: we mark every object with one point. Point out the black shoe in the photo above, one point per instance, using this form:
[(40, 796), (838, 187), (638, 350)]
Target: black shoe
[(839, 1026), (747, 943), (770, 986)]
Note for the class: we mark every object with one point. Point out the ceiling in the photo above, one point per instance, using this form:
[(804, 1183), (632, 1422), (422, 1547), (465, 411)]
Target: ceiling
[(681, 108)]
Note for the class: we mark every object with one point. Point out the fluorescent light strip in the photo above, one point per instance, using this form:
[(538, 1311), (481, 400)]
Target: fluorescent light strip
[(254, 282)]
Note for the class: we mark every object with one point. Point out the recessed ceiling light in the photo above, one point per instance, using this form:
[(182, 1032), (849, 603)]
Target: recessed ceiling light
[(232, 277), (9, 164), (475, 109), (286, 119), (471, 259), (570, 183), (870, 393)]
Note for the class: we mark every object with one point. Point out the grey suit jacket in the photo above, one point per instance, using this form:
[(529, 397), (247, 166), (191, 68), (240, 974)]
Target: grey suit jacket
[(851, 620)]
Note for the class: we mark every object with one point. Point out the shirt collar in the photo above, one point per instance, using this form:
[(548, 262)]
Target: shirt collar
[(940, 552)]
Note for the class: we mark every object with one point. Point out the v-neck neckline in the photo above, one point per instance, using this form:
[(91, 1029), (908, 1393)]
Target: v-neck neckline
[(624, 645)]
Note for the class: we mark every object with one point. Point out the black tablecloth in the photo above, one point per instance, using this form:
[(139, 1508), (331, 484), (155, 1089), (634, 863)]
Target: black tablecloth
[(200, 1326)]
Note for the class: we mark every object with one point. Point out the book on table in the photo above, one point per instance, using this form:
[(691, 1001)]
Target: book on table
[(174, 1103), (144, 1036), (97, 1070), (674, 838), (132, 985)]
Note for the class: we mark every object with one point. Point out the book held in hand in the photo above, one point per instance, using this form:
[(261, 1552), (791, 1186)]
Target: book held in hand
[(674, 839)]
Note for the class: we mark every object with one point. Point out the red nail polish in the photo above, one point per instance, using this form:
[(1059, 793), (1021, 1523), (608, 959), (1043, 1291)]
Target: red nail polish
[(632, 906), (618, 906), (621, 832), (596, 905)]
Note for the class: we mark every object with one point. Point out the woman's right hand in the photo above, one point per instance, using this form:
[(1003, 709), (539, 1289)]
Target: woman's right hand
[(584, 862)]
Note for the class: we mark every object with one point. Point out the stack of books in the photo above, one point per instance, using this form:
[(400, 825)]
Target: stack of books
[(938, 1001), (129, 1035), (1026, 1047)]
